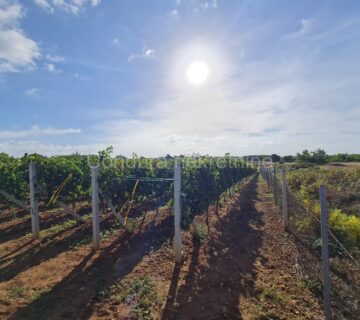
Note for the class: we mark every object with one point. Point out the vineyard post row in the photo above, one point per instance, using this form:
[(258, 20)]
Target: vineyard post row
[(33, 209), (95, 206), (95, 191), (33, 203), (269, 175), (177, 208)]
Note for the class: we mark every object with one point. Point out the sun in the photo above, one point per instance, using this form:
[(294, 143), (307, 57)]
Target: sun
[(197, 72)]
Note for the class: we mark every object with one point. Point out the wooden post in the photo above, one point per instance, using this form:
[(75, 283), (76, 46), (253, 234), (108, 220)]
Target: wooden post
[(177, 208), (33, 204), (325, 252), (95, 206), (275, 185), (284, 199)]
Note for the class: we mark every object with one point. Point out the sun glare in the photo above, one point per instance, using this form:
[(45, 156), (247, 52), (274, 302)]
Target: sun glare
[(197, 72)]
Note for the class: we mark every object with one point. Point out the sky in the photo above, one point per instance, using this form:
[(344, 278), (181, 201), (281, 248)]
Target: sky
[(80, 75)]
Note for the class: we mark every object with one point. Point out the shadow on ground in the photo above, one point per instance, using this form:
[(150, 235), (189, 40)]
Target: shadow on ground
[(212, 290), (75, 296), (47, 220), (40, 251)]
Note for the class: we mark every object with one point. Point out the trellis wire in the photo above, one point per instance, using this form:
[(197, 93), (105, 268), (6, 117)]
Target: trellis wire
[(329, 229), (146, 179), (177, 204), (331, 233), (298, 209)]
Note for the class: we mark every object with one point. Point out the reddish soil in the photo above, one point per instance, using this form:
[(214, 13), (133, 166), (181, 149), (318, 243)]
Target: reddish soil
[(247, 268)]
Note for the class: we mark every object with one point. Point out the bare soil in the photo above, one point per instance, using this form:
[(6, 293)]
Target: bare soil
[(246, 267)]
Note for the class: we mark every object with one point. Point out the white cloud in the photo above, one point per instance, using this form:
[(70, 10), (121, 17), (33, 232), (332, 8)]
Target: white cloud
[(36, 131), (115, 42), (174, 14), (17, 51), (52, 68), (145, 54), (33, 92), (306, 26), (45, 5), (10, 13), (209, 4), (68, 6), (265, 106), (54, 58), (20, 147), (95, 2), (80, 77), (199, 4)]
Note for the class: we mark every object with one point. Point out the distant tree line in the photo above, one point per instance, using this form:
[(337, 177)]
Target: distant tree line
[(318, 156)]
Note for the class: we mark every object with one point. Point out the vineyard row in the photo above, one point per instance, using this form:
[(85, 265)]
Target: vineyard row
[(58, 181)]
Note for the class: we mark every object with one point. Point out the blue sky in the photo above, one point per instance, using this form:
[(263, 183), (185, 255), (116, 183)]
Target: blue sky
[(79, 75)]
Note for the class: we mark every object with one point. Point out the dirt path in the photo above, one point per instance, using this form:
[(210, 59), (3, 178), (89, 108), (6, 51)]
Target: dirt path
[(246, 268)]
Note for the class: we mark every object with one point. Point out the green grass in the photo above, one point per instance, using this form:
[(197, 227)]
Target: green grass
[(57, 228), (221, 202), (39, 293), (139, 293), (104, 234), (76, 244), (167, 244), (131, 224), (47, 234), (314, 285), (200, 231), (16, 292), (272, 294)]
